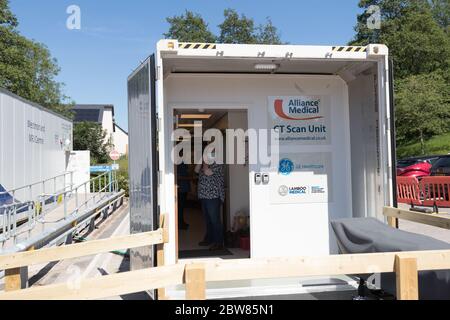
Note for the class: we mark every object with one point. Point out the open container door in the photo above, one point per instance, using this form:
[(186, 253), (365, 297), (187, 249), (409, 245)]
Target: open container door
[(143, 164)]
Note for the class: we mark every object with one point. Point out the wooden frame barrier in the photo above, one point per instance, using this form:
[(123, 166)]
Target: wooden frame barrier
[(405, 264), (195, 276), (12, 263), (440, 220)]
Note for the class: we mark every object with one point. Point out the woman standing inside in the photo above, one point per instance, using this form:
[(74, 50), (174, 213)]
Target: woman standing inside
[(211, 193)]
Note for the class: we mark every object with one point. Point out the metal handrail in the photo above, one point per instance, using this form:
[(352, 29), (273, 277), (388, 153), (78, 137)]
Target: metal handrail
[(39, 182), (30, 186), (101, 186), (10, 222), (110, 185)]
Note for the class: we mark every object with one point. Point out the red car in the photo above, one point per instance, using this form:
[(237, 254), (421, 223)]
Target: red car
[(415, 167)]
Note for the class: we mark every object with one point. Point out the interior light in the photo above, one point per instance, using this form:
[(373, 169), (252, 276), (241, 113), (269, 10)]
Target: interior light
[(189, 125), (195, 116), (266, 66)]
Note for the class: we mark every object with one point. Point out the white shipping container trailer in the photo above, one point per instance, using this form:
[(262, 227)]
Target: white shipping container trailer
[(336, 157), (34, 146)]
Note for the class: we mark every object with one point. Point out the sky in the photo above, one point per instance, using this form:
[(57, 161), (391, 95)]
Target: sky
[(115, 36)]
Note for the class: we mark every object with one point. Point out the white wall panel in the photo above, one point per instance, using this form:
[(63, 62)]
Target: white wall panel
[(31, 145), (281, 229)]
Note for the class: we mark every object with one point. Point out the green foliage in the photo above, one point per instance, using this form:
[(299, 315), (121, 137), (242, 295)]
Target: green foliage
[(241, 29), (237, 29), (7, 18), (441, 12), (91, 136), (416, 41), (416, 32), (268, 33), (122, 175), (27, 68), (437, 145), (189, 27), (423, 108)]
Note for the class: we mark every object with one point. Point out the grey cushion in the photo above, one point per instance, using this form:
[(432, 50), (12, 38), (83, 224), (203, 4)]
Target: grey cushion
[(368, 235)]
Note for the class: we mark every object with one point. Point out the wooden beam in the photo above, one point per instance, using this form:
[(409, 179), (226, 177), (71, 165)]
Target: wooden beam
[(268, 268), (196, 275), (436, 220), (407, 278), (104, 287), (22, 259), (195, 281)]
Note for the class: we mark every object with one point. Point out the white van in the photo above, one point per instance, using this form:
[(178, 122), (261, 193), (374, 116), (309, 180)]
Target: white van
[(332, 108)]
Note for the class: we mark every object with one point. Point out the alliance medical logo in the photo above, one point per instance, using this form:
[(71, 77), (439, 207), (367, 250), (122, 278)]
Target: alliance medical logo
[(298, 109)]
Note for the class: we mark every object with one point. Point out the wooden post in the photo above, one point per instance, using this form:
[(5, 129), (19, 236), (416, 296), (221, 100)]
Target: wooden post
[(16, 278), (407, 278), (13, 279), (392, 221), (194, 277), (160, 262), (164, 226)]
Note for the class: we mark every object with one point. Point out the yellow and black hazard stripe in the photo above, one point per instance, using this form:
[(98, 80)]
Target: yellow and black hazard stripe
[(188, 45), (350, 49)]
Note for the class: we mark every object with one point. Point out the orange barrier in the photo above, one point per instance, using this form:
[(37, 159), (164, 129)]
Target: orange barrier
[(408, 190), (435, 191)]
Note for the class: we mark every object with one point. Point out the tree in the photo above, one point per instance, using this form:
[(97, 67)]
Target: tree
[(416, 41), (189, 27), (422, 108), (91, 136), (441, 13), (7, 18), (237, 29), (27, 68), (268, 33)]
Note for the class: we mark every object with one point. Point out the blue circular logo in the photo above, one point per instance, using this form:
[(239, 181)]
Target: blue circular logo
[(286, 167)]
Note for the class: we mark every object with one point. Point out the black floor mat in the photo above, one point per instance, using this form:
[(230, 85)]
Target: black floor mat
[(202, 253)]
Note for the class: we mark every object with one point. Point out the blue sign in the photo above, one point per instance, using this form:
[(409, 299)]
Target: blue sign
[(95, 169), (286, 167)]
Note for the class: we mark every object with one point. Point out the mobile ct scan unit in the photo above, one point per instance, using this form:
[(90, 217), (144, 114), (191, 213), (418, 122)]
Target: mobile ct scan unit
[(336, 156)]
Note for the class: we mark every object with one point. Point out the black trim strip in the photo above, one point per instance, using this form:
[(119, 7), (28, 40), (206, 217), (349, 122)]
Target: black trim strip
[(393, 133)]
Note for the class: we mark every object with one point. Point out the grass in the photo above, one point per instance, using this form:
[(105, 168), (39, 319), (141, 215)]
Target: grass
[(437, 145)]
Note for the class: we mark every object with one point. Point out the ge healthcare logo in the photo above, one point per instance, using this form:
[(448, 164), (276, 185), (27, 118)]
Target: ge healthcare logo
[(283, 191), (286, 167)]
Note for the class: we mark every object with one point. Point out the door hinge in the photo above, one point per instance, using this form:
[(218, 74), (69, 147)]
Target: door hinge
[(159, 177), (157, 71), (158, 124)]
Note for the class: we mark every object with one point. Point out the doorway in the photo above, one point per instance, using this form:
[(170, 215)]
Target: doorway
[(234, 210)]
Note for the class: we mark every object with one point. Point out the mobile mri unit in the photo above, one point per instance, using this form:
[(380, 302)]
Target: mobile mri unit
[(331, 106), (35, 144)]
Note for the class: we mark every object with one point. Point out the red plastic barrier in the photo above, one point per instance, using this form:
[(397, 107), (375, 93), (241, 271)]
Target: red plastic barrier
[(435, 191), (408, 190)]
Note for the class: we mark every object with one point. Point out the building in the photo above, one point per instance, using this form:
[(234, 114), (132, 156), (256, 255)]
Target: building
[(35, 144), (103, 114)]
